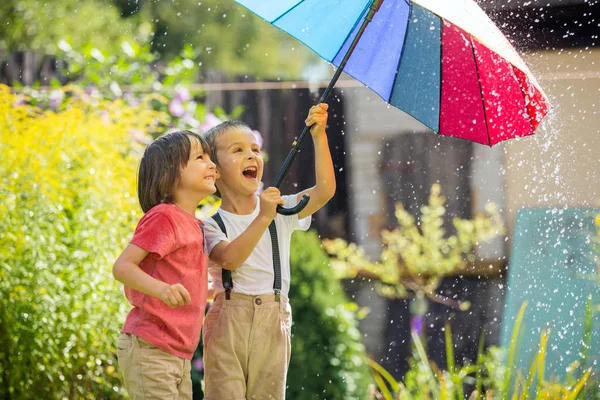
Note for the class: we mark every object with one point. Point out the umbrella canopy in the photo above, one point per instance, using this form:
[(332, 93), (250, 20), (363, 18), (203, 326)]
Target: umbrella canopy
[(442, 61)]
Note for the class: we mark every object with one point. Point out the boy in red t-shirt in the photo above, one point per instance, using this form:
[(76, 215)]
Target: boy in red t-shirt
[(164, 269)]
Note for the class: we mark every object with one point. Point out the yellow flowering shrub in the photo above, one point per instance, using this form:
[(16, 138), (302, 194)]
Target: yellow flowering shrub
[(416, 256), (596, 243), (68, 206)]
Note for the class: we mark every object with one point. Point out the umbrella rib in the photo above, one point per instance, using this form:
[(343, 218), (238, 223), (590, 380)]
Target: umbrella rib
[(512, 69), (287, 12), (410, 10), (487, 128), (358, 21)]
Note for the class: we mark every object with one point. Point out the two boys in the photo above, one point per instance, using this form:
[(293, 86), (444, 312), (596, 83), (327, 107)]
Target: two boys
[(247, 330)]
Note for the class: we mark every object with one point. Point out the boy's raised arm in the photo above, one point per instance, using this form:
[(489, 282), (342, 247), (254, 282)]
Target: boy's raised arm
[(324, 188)]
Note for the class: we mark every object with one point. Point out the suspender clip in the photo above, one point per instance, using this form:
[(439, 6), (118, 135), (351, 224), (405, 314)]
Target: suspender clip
[(228, 294), (277, 295)]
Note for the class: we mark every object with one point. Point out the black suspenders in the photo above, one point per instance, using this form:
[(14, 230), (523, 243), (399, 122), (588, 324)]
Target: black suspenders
[(226, 274)]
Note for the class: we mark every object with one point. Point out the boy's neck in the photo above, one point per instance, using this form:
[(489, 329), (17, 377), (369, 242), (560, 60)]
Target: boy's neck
[(188, 202), (188, 207), (238, 204)]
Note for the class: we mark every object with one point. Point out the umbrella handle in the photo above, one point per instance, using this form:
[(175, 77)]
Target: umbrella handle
[(296, 209), (284, 171)]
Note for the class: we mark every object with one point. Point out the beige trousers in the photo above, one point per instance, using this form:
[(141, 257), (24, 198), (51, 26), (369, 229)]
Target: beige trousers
[(247, 347), (151, 373)]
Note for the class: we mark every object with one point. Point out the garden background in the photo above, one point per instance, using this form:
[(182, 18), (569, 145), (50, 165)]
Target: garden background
[(87, 84)]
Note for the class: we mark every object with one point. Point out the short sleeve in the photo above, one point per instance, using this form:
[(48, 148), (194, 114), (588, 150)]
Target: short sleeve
[(293, 221), (155, 234), (213, 234)]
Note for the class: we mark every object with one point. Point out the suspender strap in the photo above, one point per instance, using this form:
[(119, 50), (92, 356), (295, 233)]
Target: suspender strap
[(276, 260), (226, 274)]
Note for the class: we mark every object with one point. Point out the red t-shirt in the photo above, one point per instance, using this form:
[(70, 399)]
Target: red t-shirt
[(178, 254)]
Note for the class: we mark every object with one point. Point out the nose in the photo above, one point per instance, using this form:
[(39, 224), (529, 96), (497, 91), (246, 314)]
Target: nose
[(212, 165), (251, 155)]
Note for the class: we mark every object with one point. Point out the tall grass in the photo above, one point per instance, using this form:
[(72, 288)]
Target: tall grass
[(494, 377)]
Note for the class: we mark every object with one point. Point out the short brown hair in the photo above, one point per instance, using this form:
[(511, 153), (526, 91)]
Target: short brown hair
[(160, 166), (212, 134)]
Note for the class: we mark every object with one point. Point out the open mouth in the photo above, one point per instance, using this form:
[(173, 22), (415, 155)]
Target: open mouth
[(250, 172)]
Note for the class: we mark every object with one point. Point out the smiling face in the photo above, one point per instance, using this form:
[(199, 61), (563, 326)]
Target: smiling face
[(240, 162), (199, 174), (174, 168)]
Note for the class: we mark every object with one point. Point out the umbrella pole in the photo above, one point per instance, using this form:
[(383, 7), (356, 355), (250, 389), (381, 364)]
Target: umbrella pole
[(287, 164)]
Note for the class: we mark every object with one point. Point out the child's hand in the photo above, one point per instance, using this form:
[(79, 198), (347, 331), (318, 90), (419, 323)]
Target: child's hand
[(269, 199), (175, 295), (317, 119)]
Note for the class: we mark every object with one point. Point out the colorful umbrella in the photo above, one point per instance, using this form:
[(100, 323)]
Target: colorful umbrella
[(442, 61)]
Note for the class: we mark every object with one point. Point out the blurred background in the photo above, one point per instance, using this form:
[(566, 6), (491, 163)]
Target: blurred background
[(86, 84)]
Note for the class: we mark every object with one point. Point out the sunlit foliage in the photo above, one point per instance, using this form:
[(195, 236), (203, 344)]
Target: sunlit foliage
[(68, 206), (417, 254)]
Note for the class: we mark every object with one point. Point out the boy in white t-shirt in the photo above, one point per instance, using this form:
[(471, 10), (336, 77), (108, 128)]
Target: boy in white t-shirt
[(247, 330)]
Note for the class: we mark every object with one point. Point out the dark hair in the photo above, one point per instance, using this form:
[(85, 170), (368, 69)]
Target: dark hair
[(212, 134), (160, 166)]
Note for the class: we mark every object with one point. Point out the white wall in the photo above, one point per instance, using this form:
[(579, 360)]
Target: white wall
[(560, 165)]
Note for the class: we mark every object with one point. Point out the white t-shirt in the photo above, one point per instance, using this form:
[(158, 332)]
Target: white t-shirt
[(255, 276)]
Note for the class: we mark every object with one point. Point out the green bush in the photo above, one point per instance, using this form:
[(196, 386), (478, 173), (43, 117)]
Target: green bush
[(328, 358), (327, 353), (68, 206)]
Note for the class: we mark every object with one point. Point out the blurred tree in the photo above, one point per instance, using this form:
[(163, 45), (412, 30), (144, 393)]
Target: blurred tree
[(225, 35), (418, 254), (39, 26)]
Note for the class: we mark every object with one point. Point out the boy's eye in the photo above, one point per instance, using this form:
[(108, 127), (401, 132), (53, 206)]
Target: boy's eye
[(237, 150), (200, 157)]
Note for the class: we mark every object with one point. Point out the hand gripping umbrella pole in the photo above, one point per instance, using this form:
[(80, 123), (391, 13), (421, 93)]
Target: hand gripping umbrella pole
[(285, 169)]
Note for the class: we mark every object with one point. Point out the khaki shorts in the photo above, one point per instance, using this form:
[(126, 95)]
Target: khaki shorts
[(151, 373), (247, 347)]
